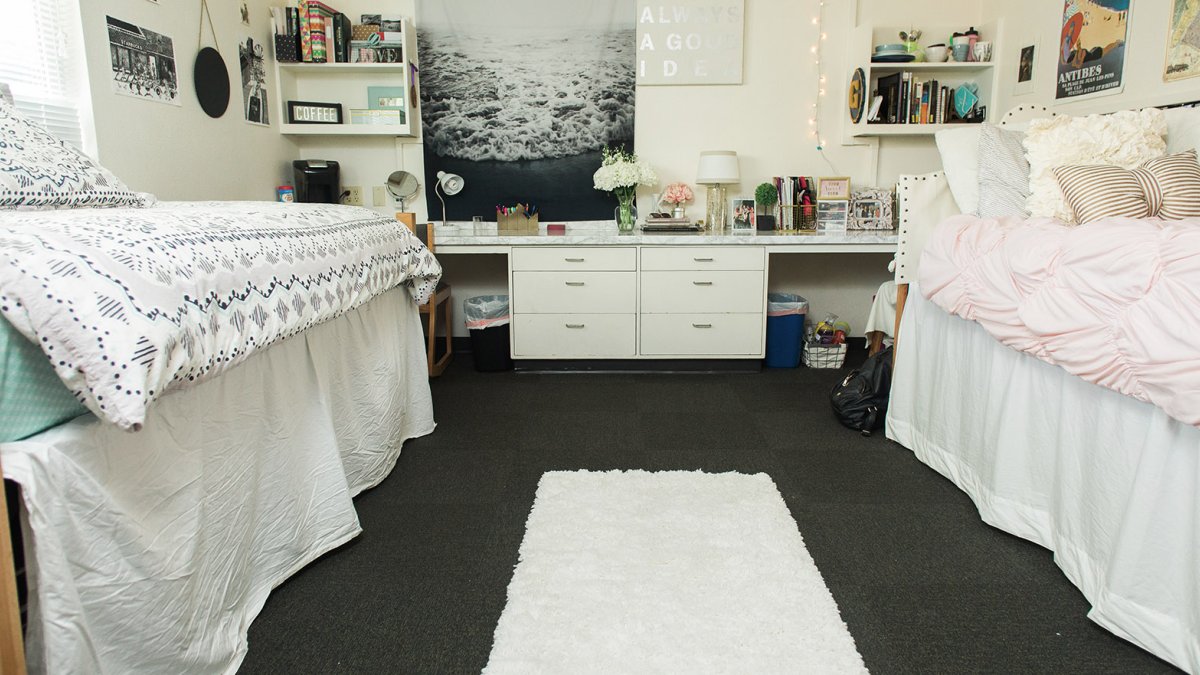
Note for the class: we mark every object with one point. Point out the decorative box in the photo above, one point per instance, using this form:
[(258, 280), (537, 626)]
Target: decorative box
[(287, 48), (376, 116), (363, 31)]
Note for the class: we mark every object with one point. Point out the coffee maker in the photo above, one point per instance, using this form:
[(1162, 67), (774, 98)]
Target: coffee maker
[(317, 181)]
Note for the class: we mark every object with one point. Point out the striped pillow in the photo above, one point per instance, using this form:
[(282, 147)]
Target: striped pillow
[(1167, 187)]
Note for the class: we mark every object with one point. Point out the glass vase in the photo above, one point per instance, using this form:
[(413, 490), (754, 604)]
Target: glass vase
[(626, 213)]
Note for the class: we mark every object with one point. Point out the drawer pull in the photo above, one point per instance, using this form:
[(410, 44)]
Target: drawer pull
[(703, 259), (575, 325), (573, 259), (702, 325), (574, 283), (702, 283)]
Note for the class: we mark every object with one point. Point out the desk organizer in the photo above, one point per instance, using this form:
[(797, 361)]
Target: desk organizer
[(516, 222)]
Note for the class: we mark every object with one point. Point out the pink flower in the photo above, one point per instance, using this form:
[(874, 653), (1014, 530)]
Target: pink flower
[(677, 193)]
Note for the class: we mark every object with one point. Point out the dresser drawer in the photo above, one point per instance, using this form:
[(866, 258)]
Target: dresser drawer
[(543, 259), (699, 292), (702, 335), (574, 335), (704, 258), (574, 292)]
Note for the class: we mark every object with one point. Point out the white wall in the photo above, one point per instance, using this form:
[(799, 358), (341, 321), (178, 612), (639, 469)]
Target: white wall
[(1145, 56), (764, 119), (180, 152)]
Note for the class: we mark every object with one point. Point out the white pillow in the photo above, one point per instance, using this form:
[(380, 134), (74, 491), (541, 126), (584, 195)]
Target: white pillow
[(959, 148), (1183, 130), (38, 171), (1003, 173), (1125, 139)]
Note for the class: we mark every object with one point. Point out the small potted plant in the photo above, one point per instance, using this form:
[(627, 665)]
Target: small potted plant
[(765, 197)]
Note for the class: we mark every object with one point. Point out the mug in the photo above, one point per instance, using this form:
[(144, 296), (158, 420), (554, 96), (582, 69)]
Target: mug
[(983, 51), (961, 52)]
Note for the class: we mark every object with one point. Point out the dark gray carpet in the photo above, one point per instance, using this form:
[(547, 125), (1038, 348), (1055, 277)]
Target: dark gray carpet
[(923, 584)]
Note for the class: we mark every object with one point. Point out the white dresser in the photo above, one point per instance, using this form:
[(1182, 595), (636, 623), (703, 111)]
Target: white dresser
[(602, 295)]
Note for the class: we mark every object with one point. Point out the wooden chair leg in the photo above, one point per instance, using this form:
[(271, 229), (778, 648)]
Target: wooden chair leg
[(448, 321), (901, 298), (12, 651), (430, 344)]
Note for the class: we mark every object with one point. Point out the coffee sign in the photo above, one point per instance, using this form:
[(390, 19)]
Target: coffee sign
[(690, 42)]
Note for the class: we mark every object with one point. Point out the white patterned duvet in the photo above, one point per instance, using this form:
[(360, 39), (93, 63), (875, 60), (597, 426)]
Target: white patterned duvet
[(130, 303)]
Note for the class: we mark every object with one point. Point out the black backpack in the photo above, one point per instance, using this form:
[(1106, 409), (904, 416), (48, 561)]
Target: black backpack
[(860, 401)]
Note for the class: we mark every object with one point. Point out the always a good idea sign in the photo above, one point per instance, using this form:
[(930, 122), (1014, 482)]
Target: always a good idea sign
[(690, 42)]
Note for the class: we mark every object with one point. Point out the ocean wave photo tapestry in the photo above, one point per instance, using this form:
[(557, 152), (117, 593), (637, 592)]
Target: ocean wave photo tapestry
[(520, 97)]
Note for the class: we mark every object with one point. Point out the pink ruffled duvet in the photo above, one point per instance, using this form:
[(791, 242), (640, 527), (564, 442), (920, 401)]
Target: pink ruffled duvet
[(1116, 302)]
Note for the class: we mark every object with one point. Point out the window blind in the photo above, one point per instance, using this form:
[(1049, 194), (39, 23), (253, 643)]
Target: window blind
[(41, 65)]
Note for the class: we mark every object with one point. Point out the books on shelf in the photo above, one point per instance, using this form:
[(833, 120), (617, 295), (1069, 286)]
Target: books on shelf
[(321, 34), (907, 99)]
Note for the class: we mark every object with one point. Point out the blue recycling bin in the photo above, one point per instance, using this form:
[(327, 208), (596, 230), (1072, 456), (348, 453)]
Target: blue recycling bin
[(785, 329)]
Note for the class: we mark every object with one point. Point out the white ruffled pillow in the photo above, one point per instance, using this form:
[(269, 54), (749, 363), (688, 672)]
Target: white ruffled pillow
[(1125, 139)]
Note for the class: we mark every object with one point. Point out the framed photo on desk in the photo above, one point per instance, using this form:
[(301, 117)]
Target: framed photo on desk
[(741, 213)]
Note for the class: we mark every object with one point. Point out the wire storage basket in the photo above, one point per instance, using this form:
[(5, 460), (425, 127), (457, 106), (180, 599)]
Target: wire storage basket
[(824, 356), (797, 218)]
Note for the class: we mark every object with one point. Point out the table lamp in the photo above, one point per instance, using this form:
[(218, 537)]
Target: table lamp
[(449, 184), (717, 168)]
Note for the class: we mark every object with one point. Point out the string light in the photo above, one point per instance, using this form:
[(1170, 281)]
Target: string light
[(814, 116)]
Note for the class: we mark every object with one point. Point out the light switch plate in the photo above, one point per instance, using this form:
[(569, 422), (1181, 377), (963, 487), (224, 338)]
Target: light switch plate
[(380, 195)]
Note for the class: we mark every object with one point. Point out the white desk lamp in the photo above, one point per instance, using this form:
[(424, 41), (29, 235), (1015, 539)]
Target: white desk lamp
[(717, 168), (450, 184)]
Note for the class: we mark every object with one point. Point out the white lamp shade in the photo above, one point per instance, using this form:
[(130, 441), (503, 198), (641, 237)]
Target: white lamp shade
[(451, 183), (717, 167)]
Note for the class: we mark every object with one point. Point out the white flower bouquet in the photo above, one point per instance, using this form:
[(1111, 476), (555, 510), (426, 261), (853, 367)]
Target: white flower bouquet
[(622, 169)]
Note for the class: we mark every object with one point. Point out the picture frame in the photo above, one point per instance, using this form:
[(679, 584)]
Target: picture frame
[(387, 98), (833, 187), (741, 213), (312, 112), (1027, 63)]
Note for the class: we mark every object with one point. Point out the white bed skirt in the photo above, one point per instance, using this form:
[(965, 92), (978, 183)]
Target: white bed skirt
[(153, 551), (1109, 483)]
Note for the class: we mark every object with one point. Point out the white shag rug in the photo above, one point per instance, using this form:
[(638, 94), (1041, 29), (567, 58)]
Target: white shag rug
[(671, 572)]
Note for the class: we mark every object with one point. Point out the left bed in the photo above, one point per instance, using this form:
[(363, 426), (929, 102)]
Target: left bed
[(241, 370)]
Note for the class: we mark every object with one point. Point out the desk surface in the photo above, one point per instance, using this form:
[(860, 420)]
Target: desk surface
[(459, 237)]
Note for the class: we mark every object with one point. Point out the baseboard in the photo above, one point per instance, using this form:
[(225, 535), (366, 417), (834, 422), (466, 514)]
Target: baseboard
[(856, 353)]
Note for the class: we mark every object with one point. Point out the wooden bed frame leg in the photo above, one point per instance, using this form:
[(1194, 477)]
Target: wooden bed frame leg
[(901, 298), (12, 649)]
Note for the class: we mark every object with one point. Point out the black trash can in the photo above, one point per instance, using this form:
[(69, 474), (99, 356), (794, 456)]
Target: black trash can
[(487, 318)]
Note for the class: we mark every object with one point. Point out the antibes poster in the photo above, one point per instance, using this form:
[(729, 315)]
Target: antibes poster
[(519, 97), (1091, 48)]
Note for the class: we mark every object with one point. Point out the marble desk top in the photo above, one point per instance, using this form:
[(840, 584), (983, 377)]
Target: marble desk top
[(604, 233)]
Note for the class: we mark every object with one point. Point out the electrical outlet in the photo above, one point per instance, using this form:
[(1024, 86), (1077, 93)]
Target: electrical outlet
[(355, 196), (380, 196)]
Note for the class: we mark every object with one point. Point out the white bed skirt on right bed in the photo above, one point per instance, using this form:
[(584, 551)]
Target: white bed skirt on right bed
[(1110, 484)]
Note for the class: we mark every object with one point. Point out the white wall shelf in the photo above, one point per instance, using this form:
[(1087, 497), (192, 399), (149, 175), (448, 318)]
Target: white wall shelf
[(347, 84), (984, 74)]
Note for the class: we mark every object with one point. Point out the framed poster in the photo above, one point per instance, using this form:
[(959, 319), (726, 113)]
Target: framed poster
[(690, 42), (1183, 41), (1091, 48)]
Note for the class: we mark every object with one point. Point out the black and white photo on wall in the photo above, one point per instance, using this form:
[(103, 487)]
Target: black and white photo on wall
[(143, 62), (520, 98), (252, 64)]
